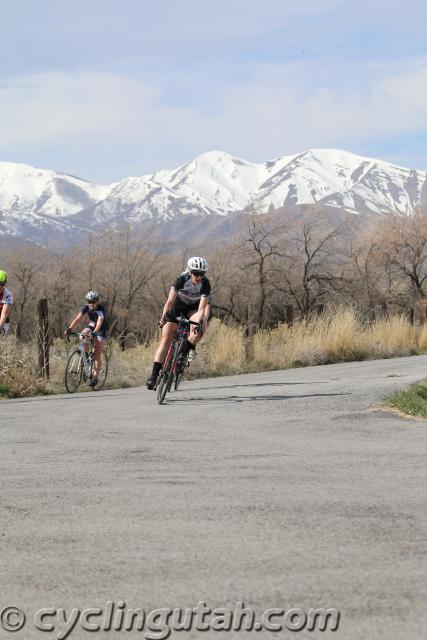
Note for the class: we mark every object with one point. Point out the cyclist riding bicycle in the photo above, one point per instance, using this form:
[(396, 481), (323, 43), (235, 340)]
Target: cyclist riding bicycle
[(188, 297), (6, 301), (93, 313)]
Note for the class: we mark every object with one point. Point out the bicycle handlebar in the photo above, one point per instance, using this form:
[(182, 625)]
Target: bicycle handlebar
[(186, 321), (77, 333)]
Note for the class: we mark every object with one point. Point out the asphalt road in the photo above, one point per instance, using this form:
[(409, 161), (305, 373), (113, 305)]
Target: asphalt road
[(282, 490)]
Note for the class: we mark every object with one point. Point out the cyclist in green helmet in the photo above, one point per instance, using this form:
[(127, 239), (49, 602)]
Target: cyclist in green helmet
[(6, 301)]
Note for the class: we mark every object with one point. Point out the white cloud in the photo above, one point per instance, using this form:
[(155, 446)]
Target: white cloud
[(44, 108), (277, 113), (273, 114)]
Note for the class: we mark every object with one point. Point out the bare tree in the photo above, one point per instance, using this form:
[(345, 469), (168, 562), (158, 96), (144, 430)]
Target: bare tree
[(125, 265), (242, 272), (25, 269), (312, 263), (404, 251), (263, 243)]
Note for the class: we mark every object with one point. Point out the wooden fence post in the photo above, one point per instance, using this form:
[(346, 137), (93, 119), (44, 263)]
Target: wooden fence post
[(43, 339), (248, 334), (289, 314), (411, 315)]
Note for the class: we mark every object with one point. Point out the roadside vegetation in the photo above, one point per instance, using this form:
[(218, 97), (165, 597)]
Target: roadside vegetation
[(18, 371), (339, 335), (411, 401), (288, 291)]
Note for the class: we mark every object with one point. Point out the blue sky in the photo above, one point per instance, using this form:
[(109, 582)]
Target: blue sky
[(105, 89)]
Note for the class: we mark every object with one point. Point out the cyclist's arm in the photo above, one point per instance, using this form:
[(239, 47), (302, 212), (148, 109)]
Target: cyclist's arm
[(207, 312), (200, 315), (170, 301), (76, 321), (204, 301), (7, 306), (99, 322), (4, 313), (203, 306)]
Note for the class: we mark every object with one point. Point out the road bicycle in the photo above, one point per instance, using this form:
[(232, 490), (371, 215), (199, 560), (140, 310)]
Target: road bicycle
[(81, 363), (175, 361)]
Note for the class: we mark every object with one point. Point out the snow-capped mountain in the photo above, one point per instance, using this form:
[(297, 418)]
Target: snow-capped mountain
[(35, 203)]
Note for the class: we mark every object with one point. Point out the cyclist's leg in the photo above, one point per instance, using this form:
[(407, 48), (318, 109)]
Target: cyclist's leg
[(99, 346), (190, 343), (85, 332), (168, 332), (195, 336)]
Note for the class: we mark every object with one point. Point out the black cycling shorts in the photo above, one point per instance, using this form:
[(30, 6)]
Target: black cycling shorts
[(180, 309)]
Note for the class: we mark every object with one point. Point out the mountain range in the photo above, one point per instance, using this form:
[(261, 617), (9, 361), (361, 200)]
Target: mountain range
[(46, 206)]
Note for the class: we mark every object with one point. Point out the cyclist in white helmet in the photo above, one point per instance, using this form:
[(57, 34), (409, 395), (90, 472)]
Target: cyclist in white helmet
[(95, 316), (189, 297), (6, 301)]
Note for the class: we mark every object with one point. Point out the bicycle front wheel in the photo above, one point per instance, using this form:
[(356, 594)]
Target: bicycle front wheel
[(178, 377), (179, 368), (74, 372), (166, 375)]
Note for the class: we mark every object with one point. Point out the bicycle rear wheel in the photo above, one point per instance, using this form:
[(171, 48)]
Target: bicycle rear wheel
[(73, 372), (166, 375)]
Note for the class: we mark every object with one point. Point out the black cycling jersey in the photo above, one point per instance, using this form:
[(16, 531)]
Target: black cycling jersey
[(188, 292), (94, 314)]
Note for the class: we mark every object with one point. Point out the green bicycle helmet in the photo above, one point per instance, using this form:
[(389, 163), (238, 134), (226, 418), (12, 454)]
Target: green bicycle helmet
[(3, 277)]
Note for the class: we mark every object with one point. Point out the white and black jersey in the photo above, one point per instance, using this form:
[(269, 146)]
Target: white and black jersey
[(93, 315), (190, 293), (188, 296)]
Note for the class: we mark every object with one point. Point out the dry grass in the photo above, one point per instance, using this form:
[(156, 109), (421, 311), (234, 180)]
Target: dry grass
[(18, 377), (335, 337)]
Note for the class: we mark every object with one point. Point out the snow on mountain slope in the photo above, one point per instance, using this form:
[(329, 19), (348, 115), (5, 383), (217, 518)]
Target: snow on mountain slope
[(224, 183), (216, 182), (213, 183), (344, 180), (26, 189)]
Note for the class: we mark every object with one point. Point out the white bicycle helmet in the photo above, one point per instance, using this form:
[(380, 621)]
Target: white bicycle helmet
[(197, 264), (92, 296)]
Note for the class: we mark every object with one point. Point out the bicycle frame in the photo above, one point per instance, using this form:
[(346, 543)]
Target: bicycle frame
[(182, 332), (86, 357), (169, 368), (81, 364)]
